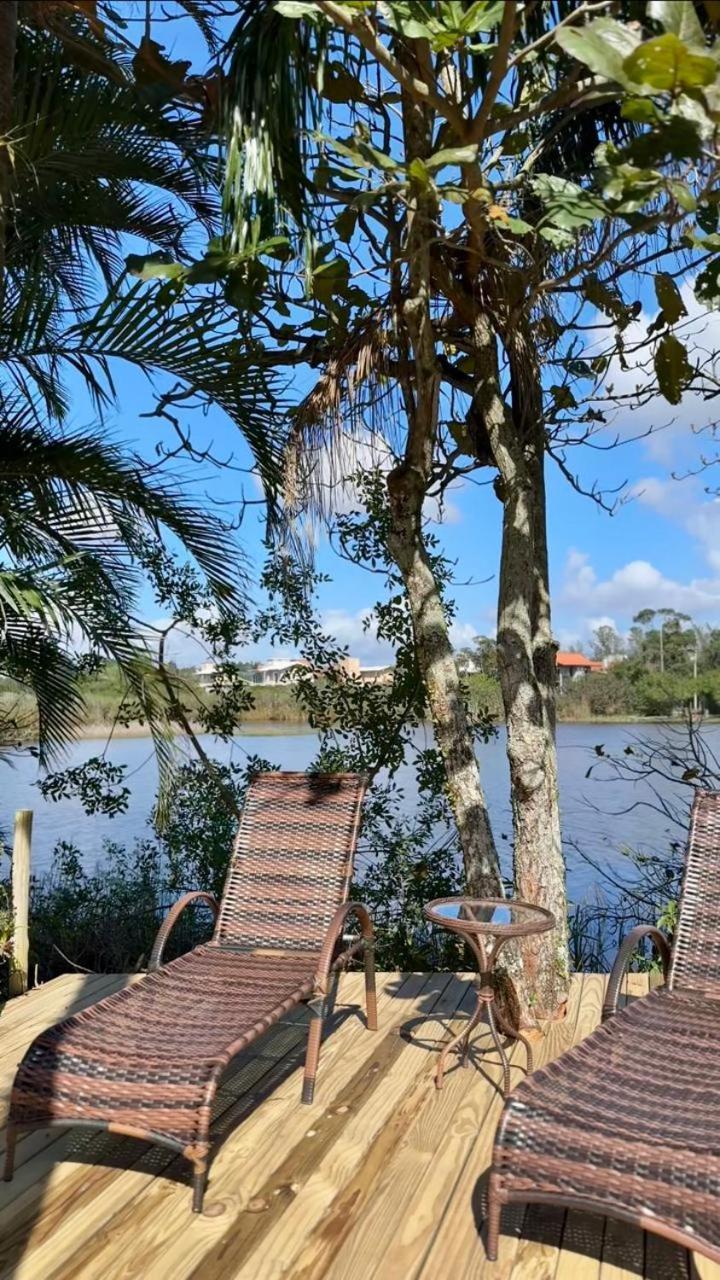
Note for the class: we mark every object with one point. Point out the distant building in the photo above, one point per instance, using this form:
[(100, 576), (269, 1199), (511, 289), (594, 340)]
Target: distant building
[(466, 665), (278, 670), (613, 659), (570, 666), (375, 675), (281, 670), (205, 674)]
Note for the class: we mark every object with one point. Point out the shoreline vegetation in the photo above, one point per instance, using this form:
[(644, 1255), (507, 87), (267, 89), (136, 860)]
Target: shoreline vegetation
[(278, 707)]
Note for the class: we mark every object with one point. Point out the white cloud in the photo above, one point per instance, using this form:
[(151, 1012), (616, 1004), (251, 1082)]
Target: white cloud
[(636, 585), (686, 503), (670, 427), (462, 634)]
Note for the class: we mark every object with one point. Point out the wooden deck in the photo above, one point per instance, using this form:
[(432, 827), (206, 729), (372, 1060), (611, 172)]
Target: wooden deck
[(378, 1178)]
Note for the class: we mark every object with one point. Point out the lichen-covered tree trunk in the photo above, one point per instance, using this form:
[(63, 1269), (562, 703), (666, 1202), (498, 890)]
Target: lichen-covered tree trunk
[(407, 486), (526, 665), (436, 661)]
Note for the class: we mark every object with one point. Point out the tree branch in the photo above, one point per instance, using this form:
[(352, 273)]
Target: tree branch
[(362, 28)]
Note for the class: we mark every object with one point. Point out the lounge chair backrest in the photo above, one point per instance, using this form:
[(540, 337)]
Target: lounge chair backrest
[(696, 948), (292, 860)]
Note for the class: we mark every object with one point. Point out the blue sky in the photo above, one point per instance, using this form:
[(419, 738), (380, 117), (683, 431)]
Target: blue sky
[(661, 548)]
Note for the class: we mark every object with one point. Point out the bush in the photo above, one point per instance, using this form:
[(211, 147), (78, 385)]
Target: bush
[(103, 920)]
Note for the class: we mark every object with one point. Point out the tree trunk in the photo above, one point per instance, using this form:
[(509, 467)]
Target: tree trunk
[(526, 664), (436, 661), (407, 486), (8, 32)]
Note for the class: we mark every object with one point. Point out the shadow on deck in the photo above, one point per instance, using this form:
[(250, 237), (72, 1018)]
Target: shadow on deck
[(380, 1176)]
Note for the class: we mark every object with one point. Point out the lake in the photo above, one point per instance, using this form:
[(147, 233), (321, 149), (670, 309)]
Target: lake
[(592, 810)]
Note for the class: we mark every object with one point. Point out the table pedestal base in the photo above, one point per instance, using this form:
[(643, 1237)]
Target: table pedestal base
[(485, 1007)]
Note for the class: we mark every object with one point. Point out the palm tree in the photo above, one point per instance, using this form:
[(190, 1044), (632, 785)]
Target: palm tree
[(98, 157)]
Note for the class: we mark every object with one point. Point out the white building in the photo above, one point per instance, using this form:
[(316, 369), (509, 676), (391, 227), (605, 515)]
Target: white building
[(278, 670), (206, 674)]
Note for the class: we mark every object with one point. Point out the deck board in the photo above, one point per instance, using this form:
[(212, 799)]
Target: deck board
[(381, 1177)]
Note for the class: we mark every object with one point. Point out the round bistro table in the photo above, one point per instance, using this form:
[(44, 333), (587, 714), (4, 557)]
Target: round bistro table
[(485, 925)]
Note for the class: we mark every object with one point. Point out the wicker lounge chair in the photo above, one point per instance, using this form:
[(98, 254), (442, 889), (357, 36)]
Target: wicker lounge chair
[(627, 1124), (146, 1061)]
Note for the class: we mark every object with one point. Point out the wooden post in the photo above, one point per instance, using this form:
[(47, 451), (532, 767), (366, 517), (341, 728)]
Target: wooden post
[(22, 838)]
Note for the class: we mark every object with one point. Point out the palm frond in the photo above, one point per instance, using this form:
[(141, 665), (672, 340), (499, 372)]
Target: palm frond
[(148, 326), (78, 492), (36, 659), (270, 104)]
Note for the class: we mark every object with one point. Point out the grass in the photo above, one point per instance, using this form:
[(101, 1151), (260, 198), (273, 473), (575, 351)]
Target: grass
[(272, 705)]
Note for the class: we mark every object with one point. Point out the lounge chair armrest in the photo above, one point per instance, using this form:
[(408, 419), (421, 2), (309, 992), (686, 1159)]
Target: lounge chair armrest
[(171, 919), (335, 931), (627, 947)]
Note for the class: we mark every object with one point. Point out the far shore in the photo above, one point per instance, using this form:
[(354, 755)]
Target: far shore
[(93, 731)]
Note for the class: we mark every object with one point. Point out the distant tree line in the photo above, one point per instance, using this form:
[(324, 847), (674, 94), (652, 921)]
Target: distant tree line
[(665, 665)]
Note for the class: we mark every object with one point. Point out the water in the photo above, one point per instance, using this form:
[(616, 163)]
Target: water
[(597, 816)]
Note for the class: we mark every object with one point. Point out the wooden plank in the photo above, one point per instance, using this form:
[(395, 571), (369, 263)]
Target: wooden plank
[(15, 1010), (580, 1247), (131, 1216), (537, 1247), (72, 998), (379, 1113), (62, 1187), (623, 1251), (451, 1244), (367, 1212), (666, 1261)]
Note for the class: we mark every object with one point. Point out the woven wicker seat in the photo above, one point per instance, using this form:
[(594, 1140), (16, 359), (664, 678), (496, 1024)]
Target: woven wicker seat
[(627, 1124), (147, 1060)]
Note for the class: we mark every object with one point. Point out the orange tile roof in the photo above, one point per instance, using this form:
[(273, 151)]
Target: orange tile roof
[(577, 660)]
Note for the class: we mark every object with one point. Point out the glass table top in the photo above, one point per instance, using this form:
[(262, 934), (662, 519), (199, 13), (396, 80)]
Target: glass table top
[(489, 915)]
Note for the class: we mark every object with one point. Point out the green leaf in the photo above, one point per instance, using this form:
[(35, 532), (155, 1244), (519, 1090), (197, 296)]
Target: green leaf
[(518, 225), (679, 17), (339, 85), (296, 9), (683, 195), (707, 284), (452, 155), (666, 63), (669, 297), (643, 110), (418, 172), (515, 142), (482, 16), (672, 367), (602, 46), (631, 187), (329, 279), (567, 206), (563, 397), (153, 266), (376, 158), (345, 224)]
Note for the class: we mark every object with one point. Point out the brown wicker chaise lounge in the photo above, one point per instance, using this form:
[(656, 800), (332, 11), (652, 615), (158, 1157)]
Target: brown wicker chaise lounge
[(146, 1061), (627, 1123)]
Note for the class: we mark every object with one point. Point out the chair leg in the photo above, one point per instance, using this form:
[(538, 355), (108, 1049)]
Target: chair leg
[(312, 1056), (370, 995), (10, 1140), (199, 1182), (493, 1223)]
